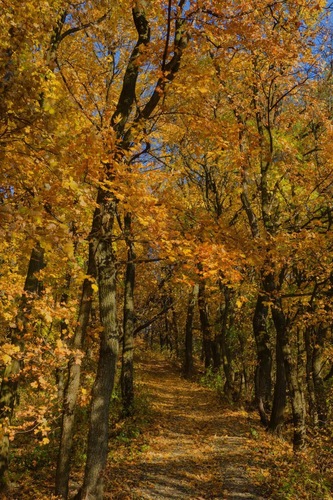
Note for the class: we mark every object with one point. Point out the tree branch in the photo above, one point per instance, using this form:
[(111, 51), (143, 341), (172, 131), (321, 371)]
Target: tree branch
[(152, 320), (127, 95)]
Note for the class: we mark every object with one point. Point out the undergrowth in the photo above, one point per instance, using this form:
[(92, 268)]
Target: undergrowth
[(285, 475), (33, 464), (127, 434), (280, 473)]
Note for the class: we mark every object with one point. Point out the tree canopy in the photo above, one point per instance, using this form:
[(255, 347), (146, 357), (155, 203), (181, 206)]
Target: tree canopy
[(166, 171)]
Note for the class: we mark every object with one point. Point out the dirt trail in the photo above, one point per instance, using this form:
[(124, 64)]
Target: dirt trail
[(196, 449)]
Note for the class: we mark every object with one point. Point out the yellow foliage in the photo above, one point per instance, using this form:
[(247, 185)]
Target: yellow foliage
[(7, 351)]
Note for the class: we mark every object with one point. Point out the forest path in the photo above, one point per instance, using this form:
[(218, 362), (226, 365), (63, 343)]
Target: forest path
[(195, 448)]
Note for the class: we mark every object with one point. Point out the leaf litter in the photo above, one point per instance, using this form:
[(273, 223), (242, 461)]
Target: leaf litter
[(194, 448)]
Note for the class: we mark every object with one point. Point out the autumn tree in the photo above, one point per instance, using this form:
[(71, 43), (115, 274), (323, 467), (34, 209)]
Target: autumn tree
[(32, 145), (166, 164), (260, 93)]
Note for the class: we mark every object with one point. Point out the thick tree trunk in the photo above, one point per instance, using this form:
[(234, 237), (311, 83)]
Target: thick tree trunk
[(188, 358), (93, 484), (292, 377), (36, 264), (263, 376), (73, 380), (127, 372), (9, 384), (297, 399)]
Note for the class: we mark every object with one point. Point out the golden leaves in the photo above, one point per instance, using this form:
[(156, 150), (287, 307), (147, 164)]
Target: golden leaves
[(7, 351)]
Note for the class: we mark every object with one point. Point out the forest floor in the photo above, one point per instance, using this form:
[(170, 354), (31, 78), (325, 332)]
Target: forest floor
[(182, 442), (193, 447)]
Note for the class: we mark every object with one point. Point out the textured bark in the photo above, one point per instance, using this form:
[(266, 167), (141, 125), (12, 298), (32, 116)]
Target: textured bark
[(97, 449), (280, 388), (292, 377), (263, 376), (297, 398), (127, 371), (9, 385), (73, 380), (36, 264)]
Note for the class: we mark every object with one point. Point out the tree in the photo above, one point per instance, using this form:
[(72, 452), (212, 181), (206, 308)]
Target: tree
[(152, 153), (104, 236)]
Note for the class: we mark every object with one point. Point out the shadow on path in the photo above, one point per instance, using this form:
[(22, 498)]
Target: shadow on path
[(197, 449)]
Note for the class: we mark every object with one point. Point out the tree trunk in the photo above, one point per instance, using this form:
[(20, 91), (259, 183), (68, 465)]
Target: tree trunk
[(36, 264), (215, 346), (226, 354), (263, 380), (73, 380), (92, 488), (93, 484), (280, 388), (205, 327), (314, 343), (188, 358), (175, 331), (9, 384), (297, 399), (292, 377), (127, 386), (317, 374), (309, 376), (60, 372)]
